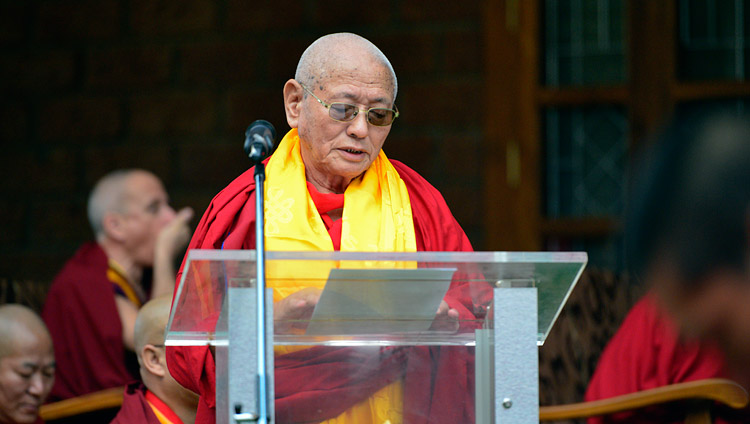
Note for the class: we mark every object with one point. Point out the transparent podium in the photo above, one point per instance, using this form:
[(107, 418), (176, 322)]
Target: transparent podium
[(393, 337)]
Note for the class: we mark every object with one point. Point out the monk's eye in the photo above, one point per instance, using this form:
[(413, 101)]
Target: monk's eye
[(48, 372), (26, 375), (153, 208)]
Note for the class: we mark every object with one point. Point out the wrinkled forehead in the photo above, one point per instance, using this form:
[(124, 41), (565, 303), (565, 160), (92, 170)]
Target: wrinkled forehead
[(373, 75), (143, 186), (352, 59), (29, 343)]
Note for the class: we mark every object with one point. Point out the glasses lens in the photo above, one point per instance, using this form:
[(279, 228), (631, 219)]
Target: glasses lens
[(380, 116), (342, 111)]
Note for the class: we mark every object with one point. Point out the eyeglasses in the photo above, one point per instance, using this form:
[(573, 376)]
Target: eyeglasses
[(344, 112)]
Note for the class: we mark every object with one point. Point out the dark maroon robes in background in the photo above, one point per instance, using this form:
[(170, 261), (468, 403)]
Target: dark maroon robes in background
[(86, 330)]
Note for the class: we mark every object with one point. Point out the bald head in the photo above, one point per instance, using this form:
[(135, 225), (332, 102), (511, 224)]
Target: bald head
[(334, 55), (110, 194), (27, 364), (150, 327), (20, 326), (152, 322)]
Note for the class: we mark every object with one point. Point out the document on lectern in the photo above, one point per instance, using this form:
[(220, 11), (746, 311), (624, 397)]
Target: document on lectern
[(379, 301)]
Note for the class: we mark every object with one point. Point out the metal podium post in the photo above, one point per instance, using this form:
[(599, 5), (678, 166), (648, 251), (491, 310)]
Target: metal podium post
[(507, 360)]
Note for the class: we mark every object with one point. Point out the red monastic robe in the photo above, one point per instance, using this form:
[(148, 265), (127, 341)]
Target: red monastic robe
[(439, 393), (86, 330), (647, 352), (137, 407)]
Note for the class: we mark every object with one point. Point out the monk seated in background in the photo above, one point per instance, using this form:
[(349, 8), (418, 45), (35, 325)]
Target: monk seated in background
[(91, 306), (648, 352), (159, 399), (27, 365), (688, 237)]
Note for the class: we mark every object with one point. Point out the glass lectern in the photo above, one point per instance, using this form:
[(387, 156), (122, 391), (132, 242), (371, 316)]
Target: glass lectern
[(380, 342)]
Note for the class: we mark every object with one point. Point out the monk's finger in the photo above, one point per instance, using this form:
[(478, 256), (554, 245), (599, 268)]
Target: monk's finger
[(184, 215)]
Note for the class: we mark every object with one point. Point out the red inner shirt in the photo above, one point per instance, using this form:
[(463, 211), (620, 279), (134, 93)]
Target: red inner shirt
[(326, 202)]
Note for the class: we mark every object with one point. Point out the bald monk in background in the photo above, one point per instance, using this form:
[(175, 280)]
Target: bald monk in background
[(27, 364), (92, 304), (159, 399)]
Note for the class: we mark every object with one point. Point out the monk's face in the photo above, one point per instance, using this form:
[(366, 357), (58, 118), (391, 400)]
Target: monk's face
[(336, 152), (147, 212), (26, 377)]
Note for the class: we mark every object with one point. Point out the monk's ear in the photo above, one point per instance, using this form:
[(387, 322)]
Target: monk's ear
[(113, 226), (293, 96), (151, 360)]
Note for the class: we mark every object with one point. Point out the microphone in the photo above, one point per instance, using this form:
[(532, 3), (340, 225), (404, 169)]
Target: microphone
[(259, 139)]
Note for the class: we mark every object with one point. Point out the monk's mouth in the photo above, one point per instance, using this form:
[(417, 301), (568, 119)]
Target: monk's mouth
[(353, 151), (29, 408)]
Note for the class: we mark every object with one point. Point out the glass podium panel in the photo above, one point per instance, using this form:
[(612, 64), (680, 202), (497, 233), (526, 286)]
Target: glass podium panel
[(379, 299), (374, 349)]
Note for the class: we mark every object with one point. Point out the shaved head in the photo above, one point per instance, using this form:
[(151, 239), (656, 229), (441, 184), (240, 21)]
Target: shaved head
[(331, 56), (20, 325), (127, 210), (150, 328), (109, 195), (152, 322), (27, 364)]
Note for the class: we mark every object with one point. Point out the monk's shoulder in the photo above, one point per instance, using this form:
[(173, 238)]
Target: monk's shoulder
[(89, 264), (243, 183), (421, 193)]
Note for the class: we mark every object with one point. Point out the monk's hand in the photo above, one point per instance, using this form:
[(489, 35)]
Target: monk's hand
[(175, 235), (294, 311), (170, 242), (446, 318)]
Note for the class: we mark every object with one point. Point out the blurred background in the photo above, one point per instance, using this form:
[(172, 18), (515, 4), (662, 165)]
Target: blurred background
[(523, 113), (171, 86)]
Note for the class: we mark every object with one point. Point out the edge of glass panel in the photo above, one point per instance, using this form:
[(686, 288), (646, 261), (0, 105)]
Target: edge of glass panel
[(455, 257), (542, 335), (465, 257)]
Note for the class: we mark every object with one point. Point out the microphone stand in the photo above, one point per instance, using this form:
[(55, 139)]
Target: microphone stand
[(258, 144), (260, 284)]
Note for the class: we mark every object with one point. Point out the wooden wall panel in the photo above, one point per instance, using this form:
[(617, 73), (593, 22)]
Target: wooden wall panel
[(511, 144)]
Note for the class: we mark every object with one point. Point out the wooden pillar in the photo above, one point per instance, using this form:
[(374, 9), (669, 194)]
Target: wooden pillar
[(652, 30), (511, 145)]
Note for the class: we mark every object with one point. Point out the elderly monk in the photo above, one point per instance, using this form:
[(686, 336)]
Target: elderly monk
[(27, 364), (329, 186), (159, 399), (92, 304)]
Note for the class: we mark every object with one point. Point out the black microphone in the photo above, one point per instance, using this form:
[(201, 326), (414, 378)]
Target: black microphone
[(259, 139)]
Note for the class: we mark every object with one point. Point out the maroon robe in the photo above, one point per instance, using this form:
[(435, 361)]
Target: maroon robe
[(86, 330), (645, 353), (441, 392), (136, 409)]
